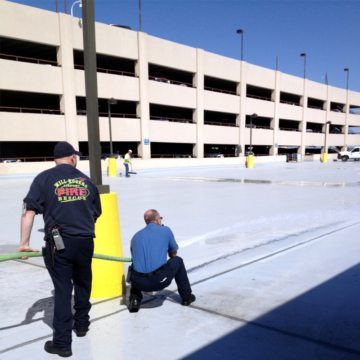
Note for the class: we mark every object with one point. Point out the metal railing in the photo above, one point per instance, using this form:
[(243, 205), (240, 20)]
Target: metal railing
[(220, 123), (108, 71), (30, 110), (28, 59), (254, 126), (289, 102), (25, 159), (170, 81), (288, 129), (171, 119), (167, 156), (259, 97), (315, 131), (220, 90), (117, 115), (315, 107)]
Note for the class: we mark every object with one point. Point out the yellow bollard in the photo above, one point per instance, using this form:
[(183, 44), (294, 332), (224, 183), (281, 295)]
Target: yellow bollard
[(111, 167), (324, 157), (249, 161), (107, 275)]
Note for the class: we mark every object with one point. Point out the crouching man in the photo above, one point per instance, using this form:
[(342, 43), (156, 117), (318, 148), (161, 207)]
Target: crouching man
[(151, 269)]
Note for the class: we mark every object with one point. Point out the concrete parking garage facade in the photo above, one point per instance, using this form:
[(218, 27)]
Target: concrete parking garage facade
[(165, 93)]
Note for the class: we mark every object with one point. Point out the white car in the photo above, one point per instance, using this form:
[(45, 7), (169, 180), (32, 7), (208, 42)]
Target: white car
[(8, 161), (353, 154), (216, 155)]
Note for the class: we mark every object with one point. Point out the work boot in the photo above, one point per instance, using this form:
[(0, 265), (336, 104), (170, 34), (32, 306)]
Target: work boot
[(188, 300), (134, 304), (52, 349), (81, 332)]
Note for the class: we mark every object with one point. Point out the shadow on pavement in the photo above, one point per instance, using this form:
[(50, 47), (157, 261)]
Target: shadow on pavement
[(323, 323)]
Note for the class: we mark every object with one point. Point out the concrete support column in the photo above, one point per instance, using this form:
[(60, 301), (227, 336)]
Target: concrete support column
[(199, 112), (275, 121), (143, 110), (303, 103), (347, 108), (327, 104), (325, 131), (65, 58), (242, 111)]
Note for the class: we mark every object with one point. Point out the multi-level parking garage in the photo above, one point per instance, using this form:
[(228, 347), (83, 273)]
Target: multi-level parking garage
[(165, 99)]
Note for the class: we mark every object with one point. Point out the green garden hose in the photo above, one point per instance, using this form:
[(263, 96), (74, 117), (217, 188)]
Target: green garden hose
[(19, 255)]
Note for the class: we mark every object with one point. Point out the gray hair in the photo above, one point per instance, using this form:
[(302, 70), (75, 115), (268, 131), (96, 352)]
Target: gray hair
[(151, 215)]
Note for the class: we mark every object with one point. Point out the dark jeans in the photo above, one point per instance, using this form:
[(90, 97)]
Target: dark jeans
[(161, 278), (70, 268), (126, 169)]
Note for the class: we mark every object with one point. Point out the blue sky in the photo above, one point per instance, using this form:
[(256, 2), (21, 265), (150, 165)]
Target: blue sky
[(328, 31)]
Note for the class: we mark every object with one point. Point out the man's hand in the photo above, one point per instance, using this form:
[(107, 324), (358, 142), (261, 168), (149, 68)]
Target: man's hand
[(172, 254), (27, 220), (25, 248)]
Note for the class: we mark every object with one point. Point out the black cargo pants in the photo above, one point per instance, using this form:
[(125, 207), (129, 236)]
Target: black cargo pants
[(70, 269)]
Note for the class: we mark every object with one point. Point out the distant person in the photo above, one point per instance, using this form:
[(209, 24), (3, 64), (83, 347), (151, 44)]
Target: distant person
[(127, 162), (151, 269), (70, 205)]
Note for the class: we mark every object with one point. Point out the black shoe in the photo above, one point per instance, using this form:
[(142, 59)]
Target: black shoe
[(188, 300), (134, 304), (52, 349), (81, 332)]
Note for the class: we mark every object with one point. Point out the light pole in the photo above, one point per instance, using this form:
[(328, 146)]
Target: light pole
[(72, 6), (241, 33), (92, 111), (324, 155), (327, 129), (140, 14), (252, 117), (304, 103), (111, 101), (346, 107), (241, 92), (304, 56), (347, 78), (249, 163)]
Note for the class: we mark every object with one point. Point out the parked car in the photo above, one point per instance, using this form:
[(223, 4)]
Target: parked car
[(216, 155), (353, 154), (8, 161)]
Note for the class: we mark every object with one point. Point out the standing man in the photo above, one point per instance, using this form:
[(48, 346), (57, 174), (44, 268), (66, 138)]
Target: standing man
[(70, 205), (127, 162), (151, 271)]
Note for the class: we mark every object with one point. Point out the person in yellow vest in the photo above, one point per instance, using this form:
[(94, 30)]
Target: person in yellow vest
[(127, 162)]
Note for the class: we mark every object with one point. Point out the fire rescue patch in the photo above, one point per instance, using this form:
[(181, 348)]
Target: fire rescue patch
[(71, 190)]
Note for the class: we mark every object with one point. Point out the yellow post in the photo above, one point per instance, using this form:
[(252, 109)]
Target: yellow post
[(107, 275), (249, 161), (324, 157), (111, 166)]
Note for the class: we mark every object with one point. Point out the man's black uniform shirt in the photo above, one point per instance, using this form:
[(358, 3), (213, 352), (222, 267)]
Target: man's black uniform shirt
[(67, 198)]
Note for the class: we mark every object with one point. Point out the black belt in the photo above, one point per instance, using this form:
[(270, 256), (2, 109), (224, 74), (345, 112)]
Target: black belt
[(155, 272)]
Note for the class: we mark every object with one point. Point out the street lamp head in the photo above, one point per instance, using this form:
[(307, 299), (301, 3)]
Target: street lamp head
[(239, 31), (328, 122), (112, 101), (346, 69), (303, 54), (254, 116), (78, 2)]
